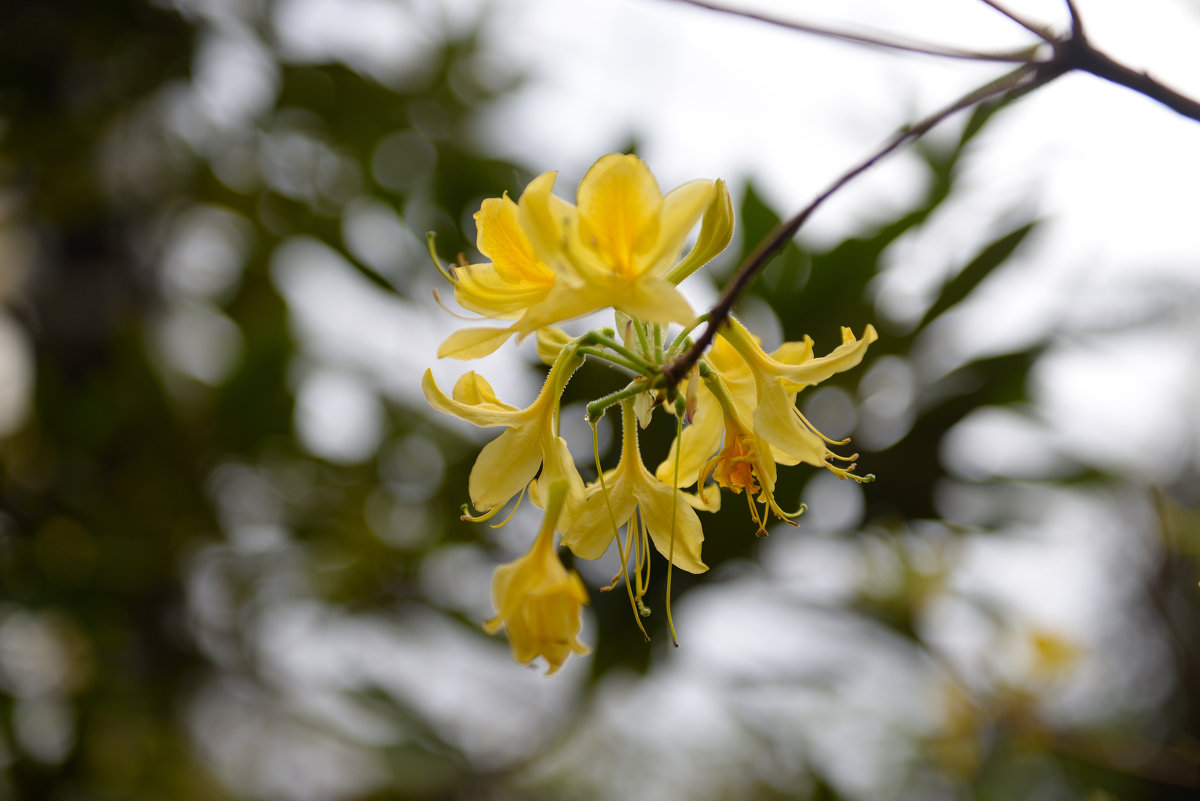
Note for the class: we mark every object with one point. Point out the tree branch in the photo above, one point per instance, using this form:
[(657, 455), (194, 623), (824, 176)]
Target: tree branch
[(1079, 54), (1071, 52), (1027, 25), (1021, 80), (879, 41)]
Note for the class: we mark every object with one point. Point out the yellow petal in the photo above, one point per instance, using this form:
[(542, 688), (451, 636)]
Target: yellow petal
[(840, 359), (592, 531), (473, 389), (483, 415), (699, 441), (473, 343), (480, 288), (505, 466), (619, 211), (539, 601), (654, 300), (777, 421), (550, 342), (545, 218), (674, 527), (563, 302), (501, 239)]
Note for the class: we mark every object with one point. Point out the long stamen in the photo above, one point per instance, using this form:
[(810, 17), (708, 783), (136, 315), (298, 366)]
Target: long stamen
[(674, 514), (817, 431), (465, 515), (612, 516)]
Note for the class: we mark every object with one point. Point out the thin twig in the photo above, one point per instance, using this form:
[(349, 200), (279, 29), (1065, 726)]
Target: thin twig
[(1022, 79), (880, 41), (1076, 20), (1026, 24)]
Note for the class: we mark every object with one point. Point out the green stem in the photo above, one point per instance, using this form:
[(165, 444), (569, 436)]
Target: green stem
[(596, 409), (682, 339), (618, 360), (645, 367)]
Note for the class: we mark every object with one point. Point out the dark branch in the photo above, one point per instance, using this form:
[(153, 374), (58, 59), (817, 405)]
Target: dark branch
[(1020, 80), (1076, 20), (1077, 53), (1027, 25), (1071, 52), (884, 42)]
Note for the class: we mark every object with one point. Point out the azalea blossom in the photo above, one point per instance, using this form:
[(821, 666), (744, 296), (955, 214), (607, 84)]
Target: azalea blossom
[(619, 247), (507, 464), (629, 495), (538, 601), (515, 279), (776, 418), (745, 462)]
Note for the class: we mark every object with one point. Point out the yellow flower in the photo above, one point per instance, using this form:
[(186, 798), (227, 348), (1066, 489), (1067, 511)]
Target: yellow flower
[(745, 462), (618, 248), (537, 600), (776, 418), (508, 463), (666, 513), (701, 439)]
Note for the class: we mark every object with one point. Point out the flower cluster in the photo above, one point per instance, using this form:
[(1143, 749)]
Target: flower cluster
[(620, 247)]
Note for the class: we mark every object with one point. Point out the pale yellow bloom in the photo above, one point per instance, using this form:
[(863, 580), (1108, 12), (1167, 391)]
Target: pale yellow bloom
[(619, 248), (538, 601), (628, 492), (507, 464)]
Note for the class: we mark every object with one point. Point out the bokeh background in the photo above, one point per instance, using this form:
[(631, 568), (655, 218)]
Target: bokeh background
[(231, 563)]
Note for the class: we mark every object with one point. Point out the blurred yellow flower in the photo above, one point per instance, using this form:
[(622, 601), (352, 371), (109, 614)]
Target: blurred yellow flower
[(538, 601)]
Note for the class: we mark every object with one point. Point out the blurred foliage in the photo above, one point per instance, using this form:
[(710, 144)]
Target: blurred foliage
[(159, 522)]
